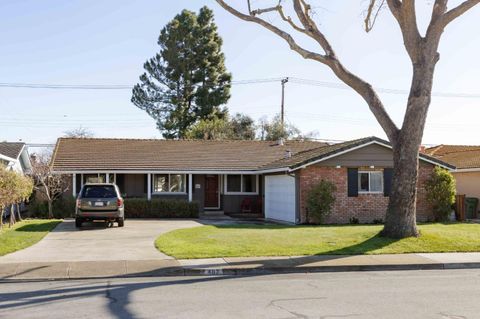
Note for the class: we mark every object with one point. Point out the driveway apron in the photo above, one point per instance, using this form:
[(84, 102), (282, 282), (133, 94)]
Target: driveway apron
[(96, 242)]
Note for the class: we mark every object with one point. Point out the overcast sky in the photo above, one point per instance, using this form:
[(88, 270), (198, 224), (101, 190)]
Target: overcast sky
[(107, 42)]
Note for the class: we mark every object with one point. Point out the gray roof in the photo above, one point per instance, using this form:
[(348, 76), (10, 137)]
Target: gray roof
[(11, 149), (84, 154)]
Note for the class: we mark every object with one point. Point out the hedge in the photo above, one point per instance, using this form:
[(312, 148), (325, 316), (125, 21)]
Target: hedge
[(64, 207), (160, 208)]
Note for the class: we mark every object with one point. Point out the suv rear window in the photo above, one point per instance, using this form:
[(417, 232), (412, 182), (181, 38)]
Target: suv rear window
[(99, 191)]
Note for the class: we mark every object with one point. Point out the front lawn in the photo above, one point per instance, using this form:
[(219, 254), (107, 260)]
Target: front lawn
[(24, 234), (280, 240)]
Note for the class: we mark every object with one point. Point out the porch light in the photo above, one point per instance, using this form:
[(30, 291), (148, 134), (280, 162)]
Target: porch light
[(338, 166)]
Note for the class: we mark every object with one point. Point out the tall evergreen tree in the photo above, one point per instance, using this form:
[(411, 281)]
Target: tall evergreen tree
[(187, 80)]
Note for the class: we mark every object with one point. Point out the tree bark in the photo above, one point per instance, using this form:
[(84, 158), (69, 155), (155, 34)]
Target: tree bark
[(400, 219), (2, 209), (50, 209), (12, 216), (19, 213)]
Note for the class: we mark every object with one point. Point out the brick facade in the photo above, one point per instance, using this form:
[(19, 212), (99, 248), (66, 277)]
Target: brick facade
[(365, 207)]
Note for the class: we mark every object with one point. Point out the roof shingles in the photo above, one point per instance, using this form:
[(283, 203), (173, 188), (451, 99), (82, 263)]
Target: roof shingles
[(11, 149), (84, 154), (77, 154), (461, 156)]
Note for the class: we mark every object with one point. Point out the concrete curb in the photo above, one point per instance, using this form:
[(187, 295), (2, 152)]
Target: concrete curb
[(231, 271)]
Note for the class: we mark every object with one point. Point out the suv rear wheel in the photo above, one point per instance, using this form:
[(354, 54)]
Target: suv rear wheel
[(121, 222), (78, 222)]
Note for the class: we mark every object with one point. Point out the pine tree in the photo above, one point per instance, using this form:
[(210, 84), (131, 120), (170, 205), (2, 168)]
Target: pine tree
[(187, 80)]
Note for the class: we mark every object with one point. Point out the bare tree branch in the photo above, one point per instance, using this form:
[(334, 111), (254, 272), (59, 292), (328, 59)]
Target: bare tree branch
[(372, 13), (260, 11), (441, 18), (454, 13), (404, 13), (307, 54), (290, 21), (362, 87)]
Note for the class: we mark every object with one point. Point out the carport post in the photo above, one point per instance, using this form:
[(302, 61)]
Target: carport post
[(190, 182), (149, 186)]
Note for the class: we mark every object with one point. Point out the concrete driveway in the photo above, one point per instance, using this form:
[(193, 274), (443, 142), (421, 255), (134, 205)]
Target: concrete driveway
[(95, 242)]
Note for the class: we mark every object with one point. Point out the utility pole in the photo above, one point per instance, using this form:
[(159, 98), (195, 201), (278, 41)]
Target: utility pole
[(282, 111)]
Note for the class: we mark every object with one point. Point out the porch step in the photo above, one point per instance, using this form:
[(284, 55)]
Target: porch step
[(246, 215), (214, 215)]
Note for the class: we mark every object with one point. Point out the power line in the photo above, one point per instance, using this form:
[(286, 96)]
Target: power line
[(295, 80)]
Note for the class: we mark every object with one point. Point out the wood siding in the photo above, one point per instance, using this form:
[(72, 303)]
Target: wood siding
[(375, 155)]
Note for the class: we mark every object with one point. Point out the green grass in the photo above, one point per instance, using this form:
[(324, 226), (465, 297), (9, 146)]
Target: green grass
[(24, 234), (279, 240)]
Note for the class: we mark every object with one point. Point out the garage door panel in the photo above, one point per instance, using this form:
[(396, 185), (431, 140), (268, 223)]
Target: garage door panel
[(280, 201)]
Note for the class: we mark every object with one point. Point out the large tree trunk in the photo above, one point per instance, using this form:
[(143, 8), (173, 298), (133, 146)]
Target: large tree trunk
[(400, 220)]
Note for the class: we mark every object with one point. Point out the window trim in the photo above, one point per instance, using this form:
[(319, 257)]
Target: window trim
[(225, 184), (168, 193), (360, 191)]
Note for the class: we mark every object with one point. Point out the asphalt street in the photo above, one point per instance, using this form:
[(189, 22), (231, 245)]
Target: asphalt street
[(439, 294)]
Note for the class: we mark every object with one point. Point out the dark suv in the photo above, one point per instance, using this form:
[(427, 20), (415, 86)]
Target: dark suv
[(100, 201)]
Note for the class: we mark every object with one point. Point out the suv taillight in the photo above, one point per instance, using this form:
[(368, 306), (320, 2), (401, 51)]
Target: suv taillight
[(119, 202)]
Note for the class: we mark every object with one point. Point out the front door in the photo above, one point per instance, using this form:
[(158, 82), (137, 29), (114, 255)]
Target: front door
[(211, 191)]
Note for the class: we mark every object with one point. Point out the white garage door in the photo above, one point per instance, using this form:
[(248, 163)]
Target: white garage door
[(280, 197)]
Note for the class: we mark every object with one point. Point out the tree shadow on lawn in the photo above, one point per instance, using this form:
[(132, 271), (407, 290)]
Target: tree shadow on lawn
[(373, 243), (43, 227)]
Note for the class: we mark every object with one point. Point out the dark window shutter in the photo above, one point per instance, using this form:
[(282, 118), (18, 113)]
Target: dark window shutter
[(352, 182), (387, 181)]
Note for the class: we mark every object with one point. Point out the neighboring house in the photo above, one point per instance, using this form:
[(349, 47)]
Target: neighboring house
[(466, 159), (224, 175), (14, 156)]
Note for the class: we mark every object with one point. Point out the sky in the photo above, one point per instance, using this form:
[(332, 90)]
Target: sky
[(85, 42)]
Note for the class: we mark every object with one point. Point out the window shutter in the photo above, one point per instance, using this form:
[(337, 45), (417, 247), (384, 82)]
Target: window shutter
[(352, 176), (387, 181)]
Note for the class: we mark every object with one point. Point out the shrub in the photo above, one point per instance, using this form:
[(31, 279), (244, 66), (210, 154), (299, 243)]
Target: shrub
[(440, 189), (354, 221), (320, 200), (38, 209), (160, 208), (62, 208)]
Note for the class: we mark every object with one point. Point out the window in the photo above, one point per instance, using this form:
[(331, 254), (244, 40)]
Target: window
[(95, 178), (97, 191), (234, 183), (241, 184), (169, 183), (370, 182)]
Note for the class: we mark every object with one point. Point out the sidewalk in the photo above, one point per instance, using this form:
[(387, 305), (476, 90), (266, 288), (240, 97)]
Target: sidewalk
[(235, 266)]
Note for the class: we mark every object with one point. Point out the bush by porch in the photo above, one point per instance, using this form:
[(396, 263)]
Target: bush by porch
[(160, 208)]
